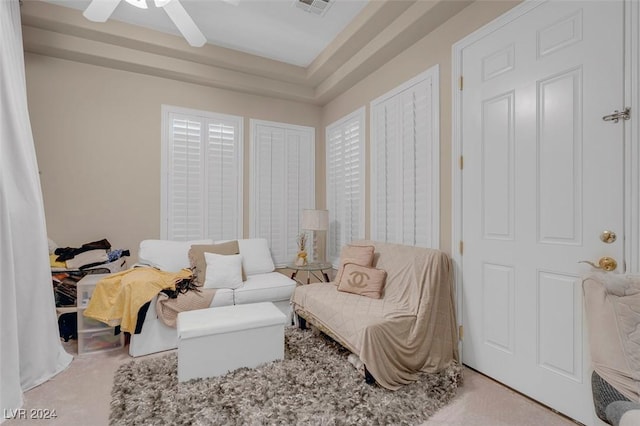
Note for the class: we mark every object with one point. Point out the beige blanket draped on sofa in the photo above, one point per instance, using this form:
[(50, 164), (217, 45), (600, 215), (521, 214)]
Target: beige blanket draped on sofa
[(612, 302), (411, 329)]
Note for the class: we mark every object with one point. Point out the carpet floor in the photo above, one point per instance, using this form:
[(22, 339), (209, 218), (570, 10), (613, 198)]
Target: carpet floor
[(313, 385)]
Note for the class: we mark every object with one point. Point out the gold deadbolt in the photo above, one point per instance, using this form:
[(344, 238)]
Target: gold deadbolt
[(605, 263), (608, 237)]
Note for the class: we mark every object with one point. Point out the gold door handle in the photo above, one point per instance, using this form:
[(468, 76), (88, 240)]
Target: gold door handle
[(606, 263)]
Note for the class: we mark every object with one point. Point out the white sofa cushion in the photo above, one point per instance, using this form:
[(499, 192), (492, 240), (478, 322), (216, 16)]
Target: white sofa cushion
[(256, 256), (167, 255), (223, 297), (268, 287), (223, 271)]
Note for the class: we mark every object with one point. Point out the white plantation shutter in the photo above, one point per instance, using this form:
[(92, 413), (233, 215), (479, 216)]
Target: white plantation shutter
[(386, 128), (344, 144), (283, 167), (405, 163), (186, 179), (202, 175), (224, 181)]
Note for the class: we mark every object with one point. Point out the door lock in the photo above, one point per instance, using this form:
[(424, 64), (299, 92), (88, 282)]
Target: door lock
[(618, 115), (608, 237)]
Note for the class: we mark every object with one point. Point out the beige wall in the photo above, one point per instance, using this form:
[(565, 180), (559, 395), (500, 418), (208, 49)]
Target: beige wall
[(97, 133), (433, 49), (97, 137)]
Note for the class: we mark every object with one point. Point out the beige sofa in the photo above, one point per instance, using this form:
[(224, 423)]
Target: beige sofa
[(612, 305), (410, 329)]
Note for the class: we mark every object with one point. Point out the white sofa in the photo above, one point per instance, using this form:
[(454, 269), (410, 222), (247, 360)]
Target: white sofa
[(263, 284)]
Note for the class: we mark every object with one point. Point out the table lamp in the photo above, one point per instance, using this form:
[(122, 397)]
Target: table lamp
[(315, 220)]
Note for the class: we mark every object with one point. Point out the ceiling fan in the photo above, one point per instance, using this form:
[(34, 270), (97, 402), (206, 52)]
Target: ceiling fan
[(101, 10)]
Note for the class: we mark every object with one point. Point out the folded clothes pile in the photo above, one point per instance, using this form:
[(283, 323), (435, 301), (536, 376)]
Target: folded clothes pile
[(70, 264), (86, 256)]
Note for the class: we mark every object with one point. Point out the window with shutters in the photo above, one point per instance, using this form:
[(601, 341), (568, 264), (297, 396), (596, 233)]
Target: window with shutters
[(405, 156), (283, 184), (345, 172), (201, 191)]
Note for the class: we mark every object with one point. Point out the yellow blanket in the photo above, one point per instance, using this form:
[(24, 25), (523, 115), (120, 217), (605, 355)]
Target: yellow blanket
[(117, 298), (54, 264)]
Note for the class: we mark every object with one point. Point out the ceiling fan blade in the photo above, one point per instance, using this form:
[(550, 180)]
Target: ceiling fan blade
[(184, 23), (100, 10)]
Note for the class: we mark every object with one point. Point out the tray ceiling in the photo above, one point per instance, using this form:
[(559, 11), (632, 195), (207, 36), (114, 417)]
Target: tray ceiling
[(371, 38), (274, 29)]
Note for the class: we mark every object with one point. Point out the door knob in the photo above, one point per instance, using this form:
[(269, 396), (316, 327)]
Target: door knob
[(608, 237), (605, 263)]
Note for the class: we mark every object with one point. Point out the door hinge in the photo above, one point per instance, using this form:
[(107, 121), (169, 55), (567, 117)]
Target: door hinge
[(618, 115), (461, 247), (461, 162), (460, 332), (461, 82)]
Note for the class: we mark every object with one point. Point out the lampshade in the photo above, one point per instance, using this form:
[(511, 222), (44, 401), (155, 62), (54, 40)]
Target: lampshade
[(315, 220)]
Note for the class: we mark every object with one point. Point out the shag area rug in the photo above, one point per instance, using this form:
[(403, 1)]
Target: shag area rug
[(314, 385)]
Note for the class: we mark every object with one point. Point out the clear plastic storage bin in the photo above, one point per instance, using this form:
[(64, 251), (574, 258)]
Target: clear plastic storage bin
[(85, 323), (97, 341), (93, 335)]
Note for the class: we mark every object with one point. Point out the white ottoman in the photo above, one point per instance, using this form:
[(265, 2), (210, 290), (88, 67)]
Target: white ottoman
[(214, 341)]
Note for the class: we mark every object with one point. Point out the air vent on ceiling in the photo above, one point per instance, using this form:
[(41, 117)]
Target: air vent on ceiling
[(315, 7)]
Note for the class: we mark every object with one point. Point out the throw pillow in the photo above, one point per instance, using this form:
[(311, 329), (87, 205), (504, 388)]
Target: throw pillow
[(360, 255), (198, 263), (256, 256), (167, 255), (223, 271), (362, 280)]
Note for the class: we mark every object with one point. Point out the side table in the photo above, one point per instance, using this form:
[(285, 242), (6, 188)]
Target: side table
[(311, 269)]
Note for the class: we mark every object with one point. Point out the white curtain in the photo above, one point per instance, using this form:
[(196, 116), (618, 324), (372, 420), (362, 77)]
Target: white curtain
[(30, 348)]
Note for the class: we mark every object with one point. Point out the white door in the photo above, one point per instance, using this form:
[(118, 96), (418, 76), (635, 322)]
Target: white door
[(542, 179)]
